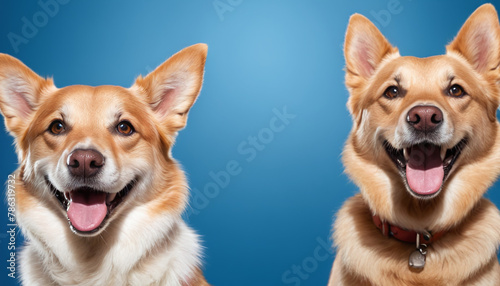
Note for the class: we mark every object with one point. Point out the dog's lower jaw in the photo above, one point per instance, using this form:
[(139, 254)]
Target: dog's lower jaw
[(112, 202), (415, 195)]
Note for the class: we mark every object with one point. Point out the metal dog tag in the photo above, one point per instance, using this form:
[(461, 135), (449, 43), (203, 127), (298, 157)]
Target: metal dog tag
[(417, 259)]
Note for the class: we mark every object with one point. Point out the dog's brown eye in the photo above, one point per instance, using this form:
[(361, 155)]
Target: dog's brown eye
[(456, 91), (125, 128), (391, 92), (56, 127)]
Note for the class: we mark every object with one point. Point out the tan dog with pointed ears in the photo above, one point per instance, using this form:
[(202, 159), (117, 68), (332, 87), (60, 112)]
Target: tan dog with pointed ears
[(424, 148), (99, 196)]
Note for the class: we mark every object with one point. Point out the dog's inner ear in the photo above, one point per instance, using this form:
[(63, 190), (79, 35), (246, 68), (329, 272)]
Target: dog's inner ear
[(20, 90), (19, 97), (479, 39), (173, 87), (364, 47)]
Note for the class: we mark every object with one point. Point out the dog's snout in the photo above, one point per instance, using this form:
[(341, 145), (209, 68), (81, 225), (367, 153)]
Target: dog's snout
[(85, 163), (425, 117)]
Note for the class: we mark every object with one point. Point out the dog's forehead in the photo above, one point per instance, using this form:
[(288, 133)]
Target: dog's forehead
[(85, 103), (435, 70)]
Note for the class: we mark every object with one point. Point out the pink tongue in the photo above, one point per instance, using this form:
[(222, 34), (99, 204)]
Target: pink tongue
[(424, 170), (87, 209)]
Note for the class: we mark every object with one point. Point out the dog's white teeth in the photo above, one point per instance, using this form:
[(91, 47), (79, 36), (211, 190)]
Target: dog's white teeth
[(443, 153), (406, 154), (110, 197), (67, 196)]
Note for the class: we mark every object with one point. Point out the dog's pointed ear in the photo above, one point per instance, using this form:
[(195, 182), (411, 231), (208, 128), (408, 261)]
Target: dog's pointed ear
[(20, 91), (479, 39), (173, 87), (364, 47)]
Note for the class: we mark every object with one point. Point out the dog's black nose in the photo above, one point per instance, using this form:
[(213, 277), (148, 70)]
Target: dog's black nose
[(85, 163), (425, 118)]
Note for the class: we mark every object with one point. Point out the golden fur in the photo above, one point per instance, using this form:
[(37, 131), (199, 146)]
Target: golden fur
[(466, 254), (144, 241)]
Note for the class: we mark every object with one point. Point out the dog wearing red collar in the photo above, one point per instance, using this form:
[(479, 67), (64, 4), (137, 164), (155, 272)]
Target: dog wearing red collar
[(424, 148)]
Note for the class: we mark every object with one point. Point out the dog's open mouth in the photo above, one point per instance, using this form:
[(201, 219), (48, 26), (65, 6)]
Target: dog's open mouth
[(88, 209), (425, 167)]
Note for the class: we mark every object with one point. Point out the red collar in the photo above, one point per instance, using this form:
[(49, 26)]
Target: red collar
[(405, 235)]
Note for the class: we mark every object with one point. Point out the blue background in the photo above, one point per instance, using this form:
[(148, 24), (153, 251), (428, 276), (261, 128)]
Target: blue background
[(263, 55)]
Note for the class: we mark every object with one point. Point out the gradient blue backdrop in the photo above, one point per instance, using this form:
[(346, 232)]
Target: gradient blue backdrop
[(263, 56)]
